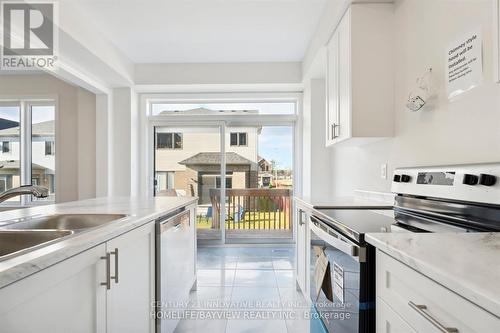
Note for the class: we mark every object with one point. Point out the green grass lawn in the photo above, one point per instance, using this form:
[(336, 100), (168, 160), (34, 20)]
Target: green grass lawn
[(251, 221)]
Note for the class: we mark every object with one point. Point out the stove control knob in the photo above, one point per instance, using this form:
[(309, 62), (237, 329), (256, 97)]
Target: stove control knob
[(470, 179), (405, 178), (397, 178), (487, 180)]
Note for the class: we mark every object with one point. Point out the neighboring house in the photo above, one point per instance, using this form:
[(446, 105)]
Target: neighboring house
[(42, 152), (203, 173), (265, 172), (188, 159)]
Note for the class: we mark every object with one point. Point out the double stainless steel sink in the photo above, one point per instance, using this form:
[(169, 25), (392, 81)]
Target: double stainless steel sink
[(19, 237)]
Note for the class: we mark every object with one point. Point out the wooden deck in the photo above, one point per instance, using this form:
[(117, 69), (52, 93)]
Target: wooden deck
[(250, 213), (207, 234)]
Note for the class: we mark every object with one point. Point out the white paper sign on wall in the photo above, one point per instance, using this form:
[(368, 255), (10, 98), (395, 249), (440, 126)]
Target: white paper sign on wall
[(464, 64)]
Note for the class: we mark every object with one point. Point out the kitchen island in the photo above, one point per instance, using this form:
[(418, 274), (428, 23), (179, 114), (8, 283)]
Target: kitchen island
[(100, 279)]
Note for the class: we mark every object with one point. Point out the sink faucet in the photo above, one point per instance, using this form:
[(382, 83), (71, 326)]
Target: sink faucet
[(37, 191)]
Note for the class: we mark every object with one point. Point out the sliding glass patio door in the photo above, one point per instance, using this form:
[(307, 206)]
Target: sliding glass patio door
[(236, 153), (188, 162), (259, 184), (242, 176)]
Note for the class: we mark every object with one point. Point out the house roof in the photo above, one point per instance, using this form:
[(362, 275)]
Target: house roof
[(14, 164), (263, 160), (6, 123), (45, 128), (215, 158)]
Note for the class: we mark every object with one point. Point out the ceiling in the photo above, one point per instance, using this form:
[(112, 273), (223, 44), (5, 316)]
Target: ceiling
[(206, 31)]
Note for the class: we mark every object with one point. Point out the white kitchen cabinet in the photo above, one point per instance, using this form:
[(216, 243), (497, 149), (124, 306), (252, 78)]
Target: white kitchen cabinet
[(129, 301), (422, 303), (302, 249), (66, 297), (73, 295), (389, 321), (360, 83)]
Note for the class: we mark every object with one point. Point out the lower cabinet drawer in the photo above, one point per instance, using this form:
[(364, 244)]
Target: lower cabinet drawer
[(426, 305), (389, 321)]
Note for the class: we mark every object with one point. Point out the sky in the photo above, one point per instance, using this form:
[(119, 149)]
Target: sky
[(276, 143), (38, 113)]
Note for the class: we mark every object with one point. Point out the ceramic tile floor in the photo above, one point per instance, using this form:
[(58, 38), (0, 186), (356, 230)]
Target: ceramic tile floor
[(255, 285)]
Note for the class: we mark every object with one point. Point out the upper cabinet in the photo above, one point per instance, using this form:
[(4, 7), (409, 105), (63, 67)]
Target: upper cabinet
[(360, 79)]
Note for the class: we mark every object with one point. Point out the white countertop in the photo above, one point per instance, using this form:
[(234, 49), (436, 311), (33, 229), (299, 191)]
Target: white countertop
[(139, 211), (467, 263)]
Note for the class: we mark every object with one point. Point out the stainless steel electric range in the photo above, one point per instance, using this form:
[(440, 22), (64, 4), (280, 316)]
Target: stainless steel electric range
[(459, 198)]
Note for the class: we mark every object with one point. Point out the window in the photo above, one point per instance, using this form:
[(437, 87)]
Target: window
[(234, 139), (229, 182), (164, 181), (238, 139), (5, 182), (50, 148), (43, 148), (242, 139), (18, 169), (168, 140), (216, 109), (10, 166), (5, 147)]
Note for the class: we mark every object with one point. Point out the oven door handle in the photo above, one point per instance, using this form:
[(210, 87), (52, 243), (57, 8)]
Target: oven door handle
[(357, 252)]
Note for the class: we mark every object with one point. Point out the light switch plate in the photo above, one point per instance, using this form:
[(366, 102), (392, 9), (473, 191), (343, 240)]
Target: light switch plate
[(383, 171)]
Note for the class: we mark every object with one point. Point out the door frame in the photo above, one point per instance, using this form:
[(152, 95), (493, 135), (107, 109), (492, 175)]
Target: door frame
[(148, 123)]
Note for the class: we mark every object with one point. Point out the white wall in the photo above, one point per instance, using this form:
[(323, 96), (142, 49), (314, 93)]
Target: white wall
[(103, 114), (466, 130), (86, 103), (123, 130), (73, 103), (306, 140)]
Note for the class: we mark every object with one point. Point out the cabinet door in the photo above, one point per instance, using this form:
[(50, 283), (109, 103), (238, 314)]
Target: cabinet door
[(129, 301), (389, 321), (332, 86), (344, 68), (67, 297), (301, 246)]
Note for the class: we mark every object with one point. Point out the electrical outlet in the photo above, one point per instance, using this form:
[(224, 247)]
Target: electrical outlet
[(383, 171)]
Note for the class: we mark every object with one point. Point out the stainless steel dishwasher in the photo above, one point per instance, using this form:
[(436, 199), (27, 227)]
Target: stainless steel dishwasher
[(174, 273)]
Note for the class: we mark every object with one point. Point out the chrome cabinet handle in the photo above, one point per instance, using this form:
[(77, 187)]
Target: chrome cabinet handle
[(115, 277), (421, 310), (334, 130), (107, 257)]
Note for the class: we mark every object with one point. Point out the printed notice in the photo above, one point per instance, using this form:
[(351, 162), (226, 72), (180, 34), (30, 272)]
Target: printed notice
[(338, 282), (464, 65)]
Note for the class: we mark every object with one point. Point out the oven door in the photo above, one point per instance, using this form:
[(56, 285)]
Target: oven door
[(342, 281)]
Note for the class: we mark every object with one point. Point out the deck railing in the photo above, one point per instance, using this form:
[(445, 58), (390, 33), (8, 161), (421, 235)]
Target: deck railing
[(253, 209)]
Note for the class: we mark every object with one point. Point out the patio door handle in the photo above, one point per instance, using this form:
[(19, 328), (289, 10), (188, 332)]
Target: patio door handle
[(302, 217)]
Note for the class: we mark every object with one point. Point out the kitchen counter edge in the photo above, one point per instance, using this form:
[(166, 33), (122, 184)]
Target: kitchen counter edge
[(443, 258), (139, 211)]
